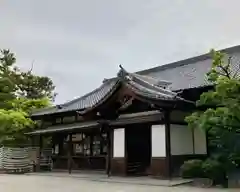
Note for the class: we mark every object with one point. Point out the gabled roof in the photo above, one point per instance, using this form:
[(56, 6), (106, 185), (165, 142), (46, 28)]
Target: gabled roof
[(142, 86), (145, 88), (184, 74), (148, 86)]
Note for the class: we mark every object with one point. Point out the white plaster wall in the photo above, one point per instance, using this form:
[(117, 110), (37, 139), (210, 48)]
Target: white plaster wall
[(119, 142), (181, 140), (200, 141), (158, 141)]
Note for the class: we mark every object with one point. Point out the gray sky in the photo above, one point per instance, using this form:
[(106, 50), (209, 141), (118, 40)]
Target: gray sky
[(78, 43)]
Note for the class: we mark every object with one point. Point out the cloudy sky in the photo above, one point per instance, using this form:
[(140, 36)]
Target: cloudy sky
[(78, 43)]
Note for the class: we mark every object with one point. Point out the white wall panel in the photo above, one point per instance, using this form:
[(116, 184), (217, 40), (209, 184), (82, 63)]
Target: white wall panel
[(158, 141), (181, 140), (200, 141), (119, 142)]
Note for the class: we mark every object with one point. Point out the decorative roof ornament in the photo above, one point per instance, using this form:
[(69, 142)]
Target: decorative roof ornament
[(124, 75), (59, 106), (122, 72)]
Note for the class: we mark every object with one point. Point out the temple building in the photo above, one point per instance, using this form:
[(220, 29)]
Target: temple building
[(132, 124)]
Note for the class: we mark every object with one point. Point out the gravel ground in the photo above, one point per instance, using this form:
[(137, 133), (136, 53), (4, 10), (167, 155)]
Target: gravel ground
[(35, 183)]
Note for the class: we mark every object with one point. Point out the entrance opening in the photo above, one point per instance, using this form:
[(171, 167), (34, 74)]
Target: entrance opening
[(138, 149)]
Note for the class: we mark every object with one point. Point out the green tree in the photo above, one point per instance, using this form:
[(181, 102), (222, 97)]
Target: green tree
[(20, 93), (6, 92), (26, 84), (15, 122), (28, 105), (7, 87), (34, 87), (13, 125), (221, 117)]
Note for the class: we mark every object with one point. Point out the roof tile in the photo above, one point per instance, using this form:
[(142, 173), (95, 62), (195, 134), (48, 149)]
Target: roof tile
[(179, 75)]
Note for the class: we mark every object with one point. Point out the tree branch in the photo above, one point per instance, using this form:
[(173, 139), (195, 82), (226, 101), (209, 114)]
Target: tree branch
[(227, 74)]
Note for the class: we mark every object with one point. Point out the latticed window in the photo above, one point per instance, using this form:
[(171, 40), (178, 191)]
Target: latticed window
[(96, 145), (81, 144), (87, 145)]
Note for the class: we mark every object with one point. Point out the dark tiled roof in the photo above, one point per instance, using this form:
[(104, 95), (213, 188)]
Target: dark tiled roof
[(184, 74), (142, 85), (190, 73), (147, 86), (80, 103)]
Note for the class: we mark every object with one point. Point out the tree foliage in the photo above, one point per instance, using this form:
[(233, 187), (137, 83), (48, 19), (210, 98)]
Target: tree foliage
[(26, 84), (34, 87), (13, 125), (221, 117), (7, 87), (20, 93)]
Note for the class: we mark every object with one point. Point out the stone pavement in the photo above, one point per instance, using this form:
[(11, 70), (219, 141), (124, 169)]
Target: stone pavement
[(102, 177), (36, 183)]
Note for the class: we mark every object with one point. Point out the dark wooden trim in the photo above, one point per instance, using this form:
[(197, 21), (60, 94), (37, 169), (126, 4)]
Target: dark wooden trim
[(168, 142), (178, 123), (125, 151), (111, 150), (40, 140), (106, 127), (91, 145), (193, 140), (70, 154), (141, 118), (118, 167), (207, 143), (150, 118), (108, 153), (159, 167)]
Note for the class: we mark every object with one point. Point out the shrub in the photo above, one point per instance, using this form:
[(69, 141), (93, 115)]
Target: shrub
[(214, 170), (192, 169)]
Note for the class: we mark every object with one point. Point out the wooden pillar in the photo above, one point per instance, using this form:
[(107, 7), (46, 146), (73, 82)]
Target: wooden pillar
[(109, 149), (91, 144), (70, 154), (40, 140), (168, 143), (193, 140), (60, 140), (33, 141), (109, 152), (53, 142), (207, 143)]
